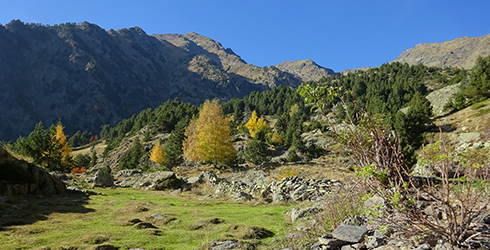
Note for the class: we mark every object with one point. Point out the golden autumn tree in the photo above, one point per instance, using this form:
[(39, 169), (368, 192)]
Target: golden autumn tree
[(208, 136), (255, 124), (190, 145), (276, 138), (156, 154), (62, 144)]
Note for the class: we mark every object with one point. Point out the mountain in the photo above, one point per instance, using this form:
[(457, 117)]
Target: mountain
[(86, 76), (460, 52)]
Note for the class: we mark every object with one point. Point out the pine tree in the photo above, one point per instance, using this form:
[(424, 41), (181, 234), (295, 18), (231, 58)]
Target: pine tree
[(208, 137), (172, 148), (156, 154), (255, 124), (257, 151)]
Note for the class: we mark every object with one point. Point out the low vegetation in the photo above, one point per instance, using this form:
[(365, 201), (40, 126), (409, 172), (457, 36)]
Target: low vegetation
[(185, 222)]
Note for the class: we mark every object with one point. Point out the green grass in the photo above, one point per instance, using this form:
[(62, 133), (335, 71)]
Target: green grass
[(60, 222), (481, 112), (478, 105)]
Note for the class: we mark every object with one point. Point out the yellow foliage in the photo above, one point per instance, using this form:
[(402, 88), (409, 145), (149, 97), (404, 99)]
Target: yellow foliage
[(276, 138), (294, 109), (255, 124), (60, 139), (208, 137), (156, 154)]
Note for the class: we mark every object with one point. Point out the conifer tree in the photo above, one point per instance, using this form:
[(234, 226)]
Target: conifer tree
[(172, 149), (156, 154)]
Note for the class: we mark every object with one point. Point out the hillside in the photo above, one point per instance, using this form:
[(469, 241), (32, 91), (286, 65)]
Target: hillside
[(461, 52), (86, 76)]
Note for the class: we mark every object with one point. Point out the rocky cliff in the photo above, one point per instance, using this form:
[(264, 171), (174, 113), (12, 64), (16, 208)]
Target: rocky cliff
[(86, 76), (21, 177), (460, 52)]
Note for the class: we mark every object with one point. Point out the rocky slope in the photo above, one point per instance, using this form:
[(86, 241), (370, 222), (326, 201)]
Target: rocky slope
[(460, 52), (86, 76)]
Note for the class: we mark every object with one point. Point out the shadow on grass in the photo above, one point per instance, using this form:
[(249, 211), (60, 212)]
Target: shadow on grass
[(28, 209)]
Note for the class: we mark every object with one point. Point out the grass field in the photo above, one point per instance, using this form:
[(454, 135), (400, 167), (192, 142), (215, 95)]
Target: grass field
[(33, 222)]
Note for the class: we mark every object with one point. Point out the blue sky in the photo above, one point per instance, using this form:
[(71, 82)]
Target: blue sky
[(339, 34)]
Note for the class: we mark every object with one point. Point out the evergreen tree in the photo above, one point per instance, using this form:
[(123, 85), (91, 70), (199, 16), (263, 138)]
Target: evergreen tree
[(130, 160), (257, 151), (173, 146), (42, 148)]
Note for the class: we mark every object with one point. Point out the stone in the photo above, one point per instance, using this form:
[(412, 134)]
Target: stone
[(225, 245), (374, 202), (331, 243), (299, 193), (469, 137), (297, 214), (373, 242), (176, 191), (157, 216), (388, 247), (103, 179), (209, 176), (349, 247), (278, 197), (444, 246), (424, 246), (242, 196), (349, 233), (194, 180)]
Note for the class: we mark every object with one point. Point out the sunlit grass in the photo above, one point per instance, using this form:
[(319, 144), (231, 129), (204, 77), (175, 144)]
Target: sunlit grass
[(105, 218)]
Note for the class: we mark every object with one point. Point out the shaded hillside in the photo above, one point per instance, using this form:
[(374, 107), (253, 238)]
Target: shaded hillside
[(86, 76), (460, 52)]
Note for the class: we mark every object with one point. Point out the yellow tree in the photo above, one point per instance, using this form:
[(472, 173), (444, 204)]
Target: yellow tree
[(190, 145), (276, 138), (60, 139), (208, 137), (156, 154), (255, 124)]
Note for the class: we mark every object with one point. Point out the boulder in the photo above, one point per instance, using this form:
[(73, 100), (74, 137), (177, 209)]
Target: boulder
[(242, 196), (225, 245), (18, 177), (349, 233)]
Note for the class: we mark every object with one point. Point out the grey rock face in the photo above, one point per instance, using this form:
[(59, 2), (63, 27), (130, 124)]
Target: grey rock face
[(159, 180), (30, 179), (348, 233), (460, 52), (225, 245)]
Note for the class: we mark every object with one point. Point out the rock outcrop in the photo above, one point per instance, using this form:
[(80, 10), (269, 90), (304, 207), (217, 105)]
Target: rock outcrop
[(18, 177), (461, 52)]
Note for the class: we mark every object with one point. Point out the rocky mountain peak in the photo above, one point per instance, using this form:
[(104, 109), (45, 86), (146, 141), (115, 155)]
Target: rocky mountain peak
[(460, 52), (306, 69)]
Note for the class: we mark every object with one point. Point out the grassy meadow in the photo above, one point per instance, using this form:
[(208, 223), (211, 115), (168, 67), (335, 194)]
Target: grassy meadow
[(34, 222)]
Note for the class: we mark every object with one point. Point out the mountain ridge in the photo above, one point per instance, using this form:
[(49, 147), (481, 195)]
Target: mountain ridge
[(459, 52), (86, 76)]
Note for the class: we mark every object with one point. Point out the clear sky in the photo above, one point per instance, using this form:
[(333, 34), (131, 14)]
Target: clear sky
[(340, 34)]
